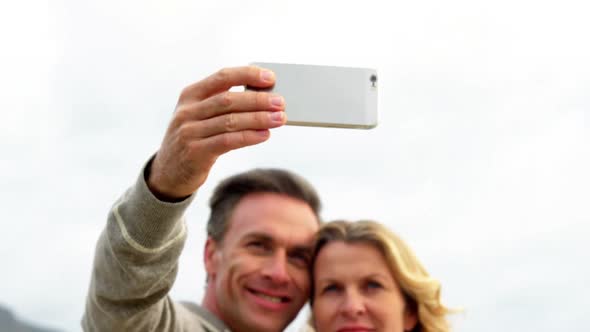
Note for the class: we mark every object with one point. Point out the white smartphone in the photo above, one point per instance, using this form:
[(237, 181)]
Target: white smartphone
[(326, 96)]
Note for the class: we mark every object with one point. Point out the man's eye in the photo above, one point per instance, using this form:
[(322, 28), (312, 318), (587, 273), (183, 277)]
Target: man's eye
[(258, 245), (301, 259)]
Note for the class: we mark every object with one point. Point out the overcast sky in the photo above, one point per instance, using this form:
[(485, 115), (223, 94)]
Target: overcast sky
[(480, 160)]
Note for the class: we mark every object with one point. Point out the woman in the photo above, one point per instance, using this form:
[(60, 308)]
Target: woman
[(365, 278)]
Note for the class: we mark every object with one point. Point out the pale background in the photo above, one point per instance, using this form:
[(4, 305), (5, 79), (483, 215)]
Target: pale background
[(480, 160)]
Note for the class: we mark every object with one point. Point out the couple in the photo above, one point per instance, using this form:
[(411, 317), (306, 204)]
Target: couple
[(266, 253)]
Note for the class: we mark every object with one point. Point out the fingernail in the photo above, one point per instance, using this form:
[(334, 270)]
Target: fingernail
[(267, 75), (262, 132), (277, 101), (277, 116)]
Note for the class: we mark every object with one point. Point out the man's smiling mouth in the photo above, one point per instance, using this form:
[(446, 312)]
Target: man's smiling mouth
[(270, 298)]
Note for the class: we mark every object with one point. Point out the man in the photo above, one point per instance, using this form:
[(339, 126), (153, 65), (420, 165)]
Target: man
[(259, 232)]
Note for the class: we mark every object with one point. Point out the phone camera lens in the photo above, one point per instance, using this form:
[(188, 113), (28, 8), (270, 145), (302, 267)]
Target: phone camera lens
[(373, 80)]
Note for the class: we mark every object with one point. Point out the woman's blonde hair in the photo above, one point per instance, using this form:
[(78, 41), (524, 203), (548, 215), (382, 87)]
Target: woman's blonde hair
[(421, 292)]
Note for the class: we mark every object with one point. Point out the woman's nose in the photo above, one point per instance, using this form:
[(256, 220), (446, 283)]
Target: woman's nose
[(354, 304)]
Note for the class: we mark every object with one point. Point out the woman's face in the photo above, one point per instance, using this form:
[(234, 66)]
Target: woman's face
[(355, 291)]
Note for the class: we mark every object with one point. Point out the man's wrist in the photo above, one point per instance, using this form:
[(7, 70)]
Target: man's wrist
[(159, 194)]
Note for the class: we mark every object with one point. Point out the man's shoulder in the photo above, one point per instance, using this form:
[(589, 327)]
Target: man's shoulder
[(199, 317)]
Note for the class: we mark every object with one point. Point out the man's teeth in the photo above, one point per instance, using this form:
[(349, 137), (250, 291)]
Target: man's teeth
[(270, 298)]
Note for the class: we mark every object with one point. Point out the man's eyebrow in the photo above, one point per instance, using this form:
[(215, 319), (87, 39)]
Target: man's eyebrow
[(264, 237), (259, 236), (301, 249)]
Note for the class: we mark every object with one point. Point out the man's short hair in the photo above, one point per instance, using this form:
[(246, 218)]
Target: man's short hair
[(231, 190)]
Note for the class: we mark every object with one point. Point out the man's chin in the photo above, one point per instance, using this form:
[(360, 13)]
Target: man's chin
[(264, 323), (260, 321)]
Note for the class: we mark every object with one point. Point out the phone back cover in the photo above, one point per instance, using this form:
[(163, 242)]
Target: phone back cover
[(326, 96)]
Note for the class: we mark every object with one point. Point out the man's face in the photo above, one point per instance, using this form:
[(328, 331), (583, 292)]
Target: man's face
[(259, 271)]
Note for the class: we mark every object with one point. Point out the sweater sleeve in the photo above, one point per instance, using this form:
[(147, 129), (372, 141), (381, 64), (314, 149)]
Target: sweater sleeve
[(135, 265)]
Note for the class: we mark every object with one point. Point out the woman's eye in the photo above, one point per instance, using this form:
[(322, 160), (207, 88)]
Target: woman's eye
[(373, 285), (329, 288)]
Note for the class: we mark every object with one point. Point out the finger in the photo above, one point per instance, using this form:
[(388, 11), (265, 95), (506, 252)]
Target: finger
[(220, 144), (226, 102), (233, 122), (227, 78)]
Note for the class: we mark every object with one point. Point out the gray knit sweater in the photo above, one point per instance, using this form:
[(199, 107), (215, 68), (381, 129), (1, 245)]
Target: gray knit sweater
[(135, 265)]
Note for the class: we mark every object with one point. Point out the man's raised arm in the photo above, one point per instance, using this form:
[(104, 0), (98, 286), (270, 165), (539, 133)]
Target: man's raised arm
[(136, 257)]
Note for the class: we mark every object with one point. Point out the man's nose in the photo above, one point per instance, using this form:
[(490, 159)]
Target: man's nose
[(276, 269)]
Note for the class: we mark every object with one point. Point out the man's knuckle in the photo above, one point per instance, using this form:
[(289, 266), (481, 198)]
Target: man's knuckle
[(186, 91), (184, 134), (253, 72), (261, 99), (261, 117), (226, 141), (182, 114), (241, 138), (222, 75), (193, 149), (230, 122), (225, 99)]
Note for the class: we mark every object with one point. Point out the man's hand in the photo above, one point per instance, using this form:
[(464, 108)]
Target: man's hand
[(210, 121)]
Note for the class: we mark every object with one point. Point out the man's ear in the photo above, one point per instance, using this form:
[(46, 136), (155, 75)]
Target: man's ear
[(410, 318), (211, 257)]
